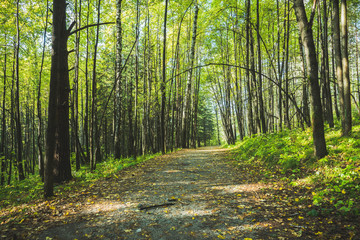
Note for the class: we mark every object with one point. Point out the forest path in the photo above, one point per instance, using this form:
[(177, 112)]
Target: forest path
[(210, 201)]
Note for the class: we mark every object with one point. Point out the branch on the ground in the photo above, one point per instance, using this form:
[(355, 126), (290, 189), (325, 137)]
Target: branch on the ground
[(142, 207)]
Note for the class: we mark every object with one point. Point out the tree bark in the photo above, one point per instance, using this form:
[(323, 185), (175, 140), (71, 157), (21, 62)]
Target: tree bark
[(345, 67), (163, 87), (76, 85), (248, 79), (187, 103), (3, 123), (338, 59), (40, 126), (325, 63), (19, 145), (118, 80), (94, 136), (57, 162), (261, 101), (305, 28)]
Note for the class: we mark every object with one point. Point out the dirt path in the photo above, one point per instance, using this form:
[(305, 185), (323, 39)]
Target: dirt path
[(190, 194), (199, 183)]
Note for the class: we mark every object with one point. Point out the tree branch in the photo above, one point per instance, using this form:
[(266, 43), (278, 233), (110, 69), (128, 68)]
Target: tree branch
[(88, 26), (313, 11), (71, 27)]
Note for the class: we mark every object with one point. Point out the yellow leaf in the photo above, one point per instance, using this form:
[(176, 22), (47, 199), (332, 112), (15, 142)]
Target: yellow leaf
[(22, 220), (343, 191), (296, 199), (172, 228), (221, 236), (247, 238), (300, 217)]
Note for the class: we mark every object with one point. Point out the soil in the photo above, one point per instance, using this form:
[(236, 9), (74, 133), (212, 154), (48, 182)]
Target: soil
[(190, 194)]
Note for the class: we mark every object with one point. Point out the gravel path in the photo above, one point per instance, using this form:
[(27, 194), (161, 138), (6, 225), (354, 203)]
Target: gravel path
[(191, 194)]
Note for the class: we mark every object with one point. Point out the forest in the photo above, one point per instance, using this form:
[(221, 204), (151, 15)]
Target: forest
[(91, 88), (84, 81)]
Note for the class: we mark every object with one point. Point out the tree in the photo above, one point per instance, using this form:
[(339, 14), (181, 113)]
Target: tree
[(305, 28), (57, 162), (19, 145), (118, 83), (346, 75), (163, 86), (187, 103)]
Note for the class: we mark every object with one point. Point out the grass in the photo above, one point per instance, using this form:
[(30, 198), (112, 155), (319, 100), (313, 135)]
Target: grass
[(31, 189), (288, 156)]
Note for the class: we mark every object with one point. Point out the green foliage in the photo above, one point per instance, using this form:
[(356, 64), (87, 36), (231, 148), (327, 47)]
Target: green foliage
[(287, 150), (334, 179)]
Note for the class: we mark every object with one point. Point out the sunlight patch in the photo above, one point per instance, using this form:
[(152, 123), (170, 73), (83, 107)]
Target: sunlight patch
[(240, 188), (172, 171), (106, 207)]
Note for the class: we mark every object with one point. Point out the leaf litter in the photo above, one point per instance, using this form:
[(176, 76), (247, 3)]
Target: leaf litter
[(190, 194)]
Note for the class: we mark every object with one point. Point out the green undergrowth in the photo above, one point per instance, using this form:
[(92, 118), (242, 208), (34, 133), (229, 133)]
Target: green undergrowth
[(31, 188), (288, 157)]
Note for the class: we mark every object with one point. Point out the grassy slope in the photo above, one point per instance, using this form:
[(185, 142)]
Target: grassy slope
[(332, 182)]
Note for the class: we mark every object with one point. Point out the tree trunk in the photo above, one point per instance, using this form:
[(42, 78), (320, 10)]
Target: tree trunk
[(345, 69), (135, 153), (94, 136), (76, 85), (187, 103), (338, 60), (87, 88), (118, 80), (305, 28), (163, 87), (248, 80), (261, 101), (325, 62), (40, 126), (19, 145), (57, 162), (279, 69), (3, 124), (305, 96)]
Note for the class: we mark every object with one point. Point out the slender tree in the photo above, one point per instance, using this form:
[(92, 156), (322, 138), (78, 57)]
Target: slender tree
[(345, 70), (19, 145), (187, 103)]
